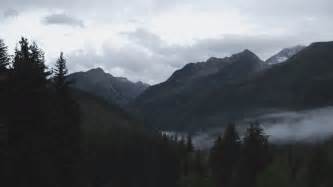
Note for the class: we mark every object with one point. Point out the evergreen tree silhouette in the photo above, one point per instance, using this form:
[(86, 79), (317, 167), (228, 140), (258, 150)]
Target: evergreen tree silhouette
[(255, 156), (4, 57), (4, 82), (29, 129), (60, 73), (189, 143), (68, 132), (225, 155)]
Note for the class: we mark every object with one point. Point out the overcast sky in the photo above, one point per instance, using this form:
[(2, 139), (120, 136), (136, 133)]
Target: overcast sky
[(148, 39)]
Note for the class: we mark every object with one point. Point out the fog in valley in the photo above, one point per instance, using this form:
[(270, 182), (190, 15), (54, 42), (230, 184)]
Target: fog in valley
[(307, 126)]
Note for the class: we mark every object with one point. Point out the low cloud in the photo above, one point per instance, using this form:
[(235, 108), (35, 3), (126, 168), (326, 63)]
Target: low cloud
[(308, 126), (62, 19), (10, 13), (305, 126)]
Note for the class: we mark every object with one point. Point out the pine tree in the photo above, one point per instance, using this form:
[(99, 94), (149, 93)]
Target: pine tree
[(4, 57), (189, 143), (29, 65), (68, 125), (29, 126), (225, 155), (38, 61), (21, 57), (256, 146), (255, 156), (60, 73), (4, 82)]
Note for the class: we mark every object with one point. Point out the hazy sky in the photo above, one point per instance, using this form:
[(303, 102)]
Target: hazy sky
[(148, 39)]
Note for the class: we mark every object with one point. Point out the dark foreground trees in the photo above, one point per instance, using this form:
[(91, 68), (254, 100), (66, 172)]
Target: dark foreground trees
[(261, 164), (236, 163), (4, 57), (255, 156), (224, 156), (42, 143), (43, 123), (68, 133), (28, 127)]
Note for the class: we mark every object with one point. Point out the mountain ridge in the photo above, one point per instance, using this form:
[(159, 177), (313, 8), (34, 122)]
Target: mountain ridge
[(242, 88), (176, 97), (113, 89), (284, 54)]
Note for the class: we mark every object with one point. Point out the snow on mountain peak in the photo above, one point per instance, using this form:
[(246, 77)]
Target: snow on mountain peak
[(284, 54)]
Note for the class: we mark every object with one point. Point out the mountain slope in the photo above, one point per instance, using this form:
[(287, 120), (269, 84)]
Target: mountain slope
[(112, 89), (284, 55), (243, 88), (302, 82), (98, 115), (168, 103)]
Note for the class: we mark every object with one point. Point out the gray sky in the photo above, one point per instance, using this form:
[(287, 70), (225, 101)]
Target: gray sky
[(148, 39)]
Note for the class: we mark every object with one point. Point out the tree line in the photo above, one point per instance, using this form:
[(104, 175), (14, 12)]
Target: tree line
[(39, 118), (42, 142), (251, 161)]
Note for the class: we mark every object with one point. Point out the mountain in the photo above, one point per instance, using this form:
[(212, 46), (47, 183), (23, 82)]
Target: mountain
[(117, 90), (284, 54), (168, 103), (243, 88), (193, 71), (99, 115)]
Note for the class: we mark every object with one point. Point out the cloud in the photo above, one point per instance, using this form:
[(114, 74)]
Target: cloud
[(148, 39), (130, 61), (148, 58), (305, 126), (62, 19), (262, 44), (10, 13)]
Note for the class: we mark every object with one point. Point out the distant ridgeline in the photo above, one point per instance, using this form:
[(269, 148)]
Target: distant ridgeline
[(209, 94), (117, 90)]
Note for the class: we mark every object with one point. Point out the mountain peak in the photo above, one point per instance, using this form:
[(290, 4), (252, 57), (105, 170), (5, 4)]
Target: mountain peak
[(200, 69), (248, 53), (245, 54), (214, 60), (112, 89), (96, 70), (284, 54)]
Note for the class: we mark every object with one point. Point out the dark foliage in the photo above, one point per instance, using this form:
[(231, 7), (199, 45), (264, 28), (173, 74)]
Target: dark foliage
[(4, 58), (255, 156), (224, 156), (43, 142)]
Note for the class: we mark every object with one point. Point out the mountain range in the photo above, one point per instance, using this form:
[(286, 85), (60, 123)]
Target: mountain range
[(240, 86), (112, 89), (212, 93)]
